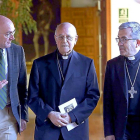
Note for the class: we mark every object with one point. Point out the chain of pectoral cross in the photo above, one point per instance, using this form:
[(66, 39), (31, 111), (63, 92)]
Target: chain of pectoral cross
[(60, 68), (132, 91)]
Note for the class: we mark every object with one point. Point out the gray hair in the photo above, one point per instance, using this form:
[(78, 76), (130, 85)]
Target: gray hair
[(135, 26)]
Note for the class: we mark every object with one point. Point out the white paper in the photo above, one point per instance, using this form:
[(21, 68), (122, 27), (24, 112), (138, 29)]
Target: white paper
[(67, 107)]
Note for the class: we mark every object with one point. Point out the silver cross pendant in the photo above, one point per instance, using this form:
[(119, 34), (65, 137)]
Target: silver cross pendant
[(132, 91)]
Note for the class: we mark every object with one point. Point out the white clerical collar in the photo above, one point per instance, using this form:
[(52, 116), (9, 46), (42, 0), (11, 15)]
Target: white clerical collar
[(65, 56), (131, 58)]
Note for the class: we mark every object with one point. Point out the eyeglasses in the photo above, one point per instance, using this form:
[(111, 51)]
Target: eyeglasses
[(123, 40), (69, 38), (9, 34)]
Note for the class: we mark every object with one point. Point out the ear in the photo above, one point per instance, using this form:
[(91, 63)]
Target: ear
[(76, 38), (55, 38), (138, 43)]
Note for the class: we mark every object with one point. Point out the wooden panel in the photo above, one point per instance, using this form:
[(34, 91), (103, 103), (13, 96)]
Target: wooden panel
[(78, 23), (86, 21), (81, 32), (78, 13), (88, 41), (79, 42), (105, 34)]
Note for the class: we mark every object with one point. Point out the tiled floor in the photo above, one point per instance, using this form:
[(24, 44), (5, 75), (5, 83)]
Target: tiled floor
[(95, 129)]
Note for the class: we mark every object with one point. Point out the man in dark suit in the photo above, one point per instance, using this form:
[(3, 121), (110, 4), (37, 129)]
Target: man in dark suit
[(57, 78), (13, 90), (122, 87)]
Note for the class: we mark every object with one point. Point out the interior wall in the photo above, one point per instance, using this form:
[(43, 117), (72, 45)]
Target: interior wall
[(83, 3), (133, 15), (79, 3)]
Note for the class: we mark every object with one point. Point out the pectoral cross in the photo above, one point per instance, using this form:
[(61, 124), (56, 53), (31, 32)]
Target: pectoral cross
[(132, 91)]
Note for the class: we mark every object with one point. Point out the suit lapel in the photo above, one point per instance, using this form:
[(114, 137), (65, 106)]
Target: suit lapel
[(54, 68), (122, 76), (10, 63), (72, 65)]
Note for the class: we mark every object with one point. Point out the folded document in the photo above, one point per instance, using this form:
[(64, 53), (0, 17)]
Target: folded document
[(67, 107)]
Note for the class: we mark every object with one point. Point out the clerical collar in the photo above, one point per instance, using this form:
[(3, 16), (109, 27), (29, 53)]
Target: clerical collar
[(63, 56), (131, 58), (134, 58)]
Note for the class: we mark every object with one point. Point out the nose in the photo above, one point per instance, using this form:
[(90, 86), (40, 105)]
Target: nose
[(12, 37), (65, 39), (120, 43)]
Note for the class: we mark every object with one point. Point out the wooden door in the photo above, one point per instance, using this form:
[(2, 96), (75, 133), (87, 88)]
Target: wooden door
[(86, 21)]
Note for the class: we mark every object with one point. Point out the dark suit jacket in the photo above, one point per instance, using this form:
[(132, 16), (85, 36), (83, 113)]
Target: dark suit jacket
[(45, 91), (17, 82), (115, 98)]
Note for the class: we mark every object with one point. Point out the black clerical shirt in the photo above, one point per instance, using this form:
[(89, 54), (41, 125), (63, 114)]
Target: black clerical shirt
[(134, 103), (64, 63)]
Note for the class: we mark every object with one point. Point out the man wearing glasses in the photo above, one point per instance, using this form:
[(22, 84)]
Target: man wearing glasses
[(122, 87), (56, 79), (13, 91)]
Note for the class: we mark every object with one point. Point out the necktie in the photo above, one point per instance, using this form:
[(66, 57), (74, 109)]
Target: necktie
[(3, 94)]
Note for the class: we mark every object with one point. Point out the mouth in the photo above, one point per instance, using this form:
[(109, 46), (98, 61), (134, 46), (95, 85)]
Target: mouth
[(121, 48), (65, 45), (8, 42)]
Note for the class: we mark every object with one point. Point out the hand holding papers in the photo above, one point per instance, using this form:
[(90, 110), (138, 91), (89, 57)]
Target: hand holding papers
[(67, 107)]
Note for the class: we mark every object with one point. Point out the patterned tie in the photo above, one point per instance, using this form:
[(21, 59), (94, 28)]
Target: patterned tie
[(3, 94)]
